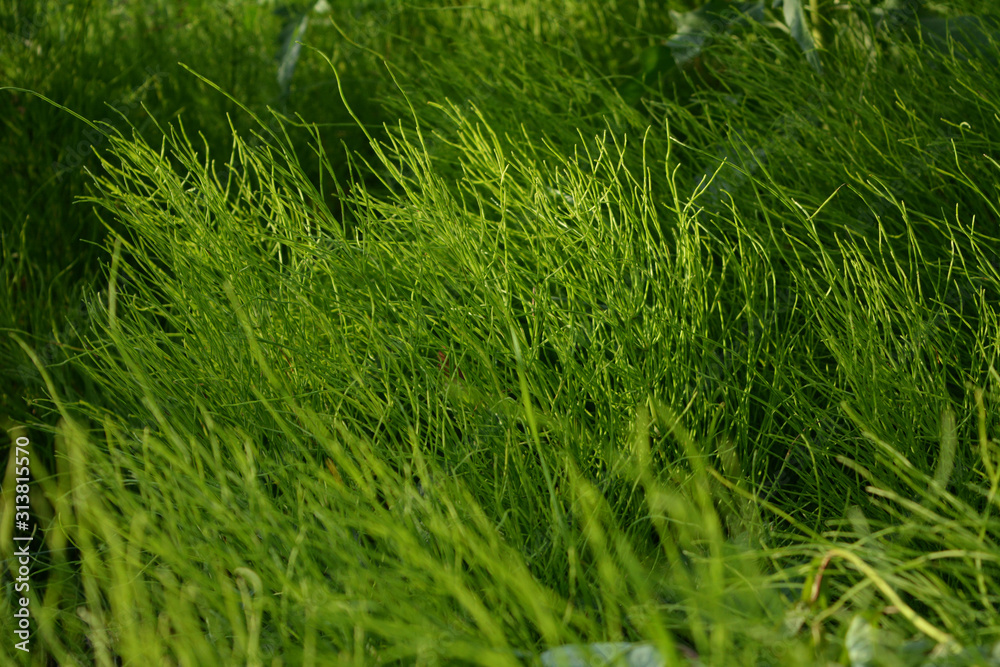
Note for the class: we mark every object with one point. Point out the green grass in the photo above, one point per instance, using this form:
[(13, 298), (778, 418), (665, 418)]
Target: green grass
[(499, 333)]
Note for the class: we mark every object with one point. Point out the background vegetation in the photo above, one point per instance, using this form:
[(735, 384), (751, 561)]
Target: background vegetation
[(443, 334)]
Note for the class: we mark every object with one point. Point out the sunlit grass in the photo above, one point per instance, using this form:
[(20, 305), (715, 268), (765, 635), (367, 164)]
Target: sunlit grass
[(540, 369)]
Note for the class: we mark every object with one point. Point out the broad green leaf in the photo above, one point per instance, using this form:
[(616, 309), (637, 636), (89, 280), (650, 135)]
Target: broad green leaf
[(600, 655), (292, 32), (288, 55), (694, 29), (795, 617), (860, 642), (689, 39), (795, 19)]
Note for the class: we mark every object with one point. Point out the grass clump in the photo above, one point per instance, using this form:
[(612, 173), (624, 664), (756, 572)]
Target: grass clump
[(545, 365)]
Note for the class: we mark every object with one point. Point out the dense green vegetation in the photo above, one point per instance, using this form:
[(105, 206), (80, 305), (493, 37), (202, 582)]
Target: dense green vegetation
[(428, 333)]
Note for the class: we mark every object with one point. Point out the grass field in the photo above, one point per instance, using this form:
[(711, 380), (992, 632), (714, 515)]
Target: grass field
[(428, 333)]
